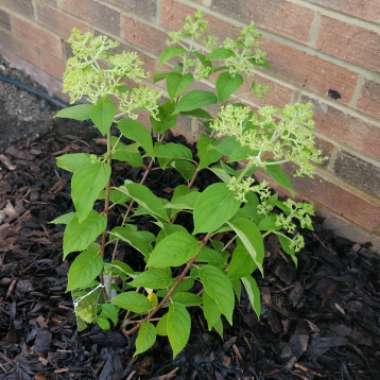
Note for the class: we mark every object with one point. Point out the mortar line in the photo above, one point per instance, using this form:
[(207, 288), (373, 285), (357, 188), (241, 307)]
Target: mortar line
[(349, 19), (370, 74), (314, 30)]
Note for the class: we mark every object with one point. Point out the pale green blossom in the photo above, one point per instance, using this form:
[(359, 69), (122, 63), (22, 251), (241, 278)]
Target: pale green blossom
[(95, 71), (288, 134), (240, 187), (139, 98), (246, 53)]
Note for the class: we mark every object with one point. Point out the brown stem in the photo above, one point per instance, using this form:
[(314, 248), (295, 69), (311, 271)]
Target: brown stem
[(168, 295), (132, 203), (192, 180), (106, 195)]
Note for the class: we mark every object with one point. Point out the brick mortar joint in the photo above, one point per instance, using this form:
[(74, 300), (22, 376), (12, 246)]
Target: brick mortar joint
[(277, 37)]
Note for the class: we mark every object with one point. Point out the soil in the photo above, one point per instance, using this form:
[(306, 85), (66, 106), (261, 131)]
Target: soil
[(320, 320)]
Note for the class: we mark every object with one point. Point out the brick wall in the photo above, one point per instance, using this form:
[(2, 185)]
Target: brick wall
[(323, 51)]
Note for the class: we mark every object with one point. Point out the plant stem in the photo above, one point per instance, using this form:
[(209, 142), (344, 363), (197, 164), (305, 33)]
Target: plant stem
[(193, 178), (168, 295), (132, 203), (106, 284), (107, 195)]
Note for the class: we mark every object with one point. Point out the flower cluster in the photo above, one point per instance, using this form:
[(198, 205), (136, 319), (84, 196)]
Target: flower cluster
[(246, 53), (193, 29), (287, 133), (95, 71), (241, 187)]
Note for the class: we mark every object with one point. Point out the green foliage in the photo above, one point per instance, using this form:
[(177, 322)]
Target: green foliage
[(171, 267)]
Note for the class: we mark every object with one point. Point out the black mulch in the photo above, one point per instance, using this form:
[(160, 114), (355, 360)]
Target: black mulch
[(320, 321)]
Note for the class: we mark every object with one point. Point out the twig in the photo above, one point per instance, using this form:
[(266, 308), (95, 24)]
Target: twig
[(131, 204), (168, 295)]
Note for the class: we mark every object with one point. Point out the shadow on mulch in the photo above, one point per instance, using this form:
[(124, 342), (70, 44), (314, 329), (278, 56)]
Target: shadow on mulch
[(320, 321)]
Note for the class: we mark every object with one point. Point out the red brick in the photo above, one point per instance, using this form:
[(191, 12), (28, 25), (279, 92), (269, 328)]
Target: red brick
[(277, 16), (143, 36), (23, 7), (98, 15), (5, 20), (277, 94), (351, 43), (365, 9), (359, 173), (307, 71), (36, 36), (352, 207), (369, 101), (20, 48), (172, 16), (146, 9), (346, 129), (57, 21), (52, 65)]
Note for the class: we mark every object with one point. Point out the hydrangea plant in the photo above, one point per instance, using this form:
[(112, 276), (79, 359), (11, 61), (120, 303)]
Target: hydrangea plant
[(173, 267)]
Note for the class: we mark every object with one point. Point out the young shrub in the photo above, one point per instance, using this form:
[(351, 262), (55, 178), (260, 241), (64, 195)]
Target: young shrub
[(180, 267)]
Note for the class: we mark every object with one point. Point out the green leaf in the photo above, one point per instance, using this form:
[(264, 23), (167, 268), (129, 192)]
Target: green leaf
[(184, 202), (128, 153), (231, 148), (280, 176), (146, 199), (63, 219), (170, 53), (103, 323), (168, 229), (195, 99), (132, 301), (73, 161), (85, 268), (86, 184), (250, 236), (218, 286), (249, 210), (253, 293), (210, 256), (140, 240), (102, 114), (215, 206), (146, 337), (176, 83), (166, 118), (173, 151), (206, 151), (178, 327), (136, 131), (187, 298), (286, 246), (199, 113), (159, 76), (80, 112), (210, 311), (227, 84), (161, 327), (111, 312), (153, 278), (241, 264), (220, 53), (268, 223), (185, 168), (78, 236), (174, 250)]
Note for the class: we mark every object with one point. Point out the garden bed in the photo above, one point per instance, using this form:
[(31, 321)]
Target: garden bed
[(320, 320)]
